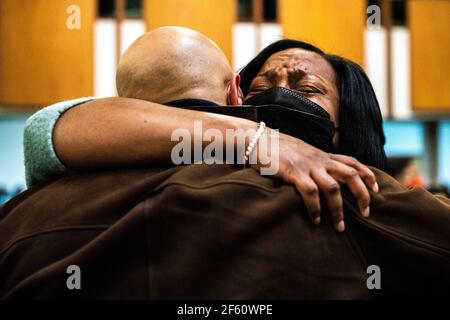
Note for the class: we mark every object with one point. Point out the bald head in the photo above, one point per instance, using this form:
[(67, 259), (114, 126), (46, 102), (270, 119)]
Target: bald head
[(171, 63)]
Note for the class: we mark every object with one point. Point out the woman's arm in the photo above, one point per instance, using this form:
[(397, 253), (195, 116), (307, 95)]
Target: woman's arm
[(123, 132), (41, 161)]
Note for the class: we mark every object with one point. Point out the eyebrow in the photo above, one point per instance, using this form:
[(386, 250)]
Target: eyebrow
[(298, 73), (294, 76)]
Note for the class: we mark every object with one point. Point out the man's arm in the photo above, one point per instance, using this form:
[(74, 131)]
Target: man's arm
[(123, 132)]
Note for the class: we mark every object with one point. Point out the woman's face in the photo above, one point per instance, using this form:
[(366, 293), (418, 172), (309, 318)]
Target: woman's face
[(303, 71)]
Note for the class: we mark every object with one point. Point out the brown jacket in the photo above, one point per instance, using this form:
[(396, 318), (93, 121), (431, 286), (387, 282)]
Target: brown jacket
[(215, 231)]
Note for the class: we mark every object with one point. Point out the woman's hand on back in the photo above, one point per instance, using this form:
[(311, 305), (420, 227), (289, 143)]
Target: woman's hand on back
[(314, 172)]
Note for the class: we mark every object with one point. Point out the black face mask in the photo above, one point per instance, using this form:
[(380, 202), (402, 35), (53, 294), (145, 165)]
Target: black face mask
[(295, 115), (181, 103)]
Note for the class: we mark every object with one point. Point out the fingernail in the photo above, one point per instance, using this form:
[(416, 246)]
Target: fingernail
[(366, 212), (375, 187), (340, 227), (317, 221)]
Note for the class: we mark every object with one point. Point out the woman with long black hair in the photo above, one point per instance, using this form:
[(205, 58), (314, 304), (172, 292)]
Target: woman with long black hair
[(359, 119)]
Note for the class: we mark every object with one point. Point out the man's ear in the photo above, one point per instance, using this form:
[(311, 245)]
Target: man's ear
[(235, 94)]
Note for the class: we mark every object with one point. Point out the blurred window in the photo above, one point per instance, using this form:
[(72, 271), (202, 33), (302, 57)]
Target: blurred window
[(444, 152), (270, 10), (404, 138), (133, 9), (245, 10), (398, 10), (107, 9)]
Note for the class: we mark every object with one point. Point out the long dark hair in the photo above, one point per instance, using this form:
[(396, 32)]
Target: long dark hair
[(360, 121)]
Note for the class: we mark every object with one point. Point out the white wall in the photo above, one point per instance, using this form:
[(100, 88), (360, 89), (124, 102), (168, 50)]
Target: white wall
[(105, 59), (244, 40), (374, 59), (401, 82)]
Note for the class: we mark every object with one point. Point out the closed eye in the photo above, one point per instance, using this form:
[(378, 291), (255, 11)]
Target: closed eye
[(308, 90), (259, 88), (256, 90)]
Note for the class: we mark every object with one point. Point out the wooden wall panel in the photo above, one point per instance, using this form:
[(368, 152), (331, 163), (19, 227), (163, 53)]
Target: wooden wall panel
[(41, 60), (429, 22), (334, 26), (214, 18)]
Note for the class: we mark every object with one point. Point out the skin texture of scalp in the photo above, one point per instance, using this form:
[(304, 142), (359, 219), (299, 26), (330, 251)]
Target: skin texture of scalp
[(171, 63)]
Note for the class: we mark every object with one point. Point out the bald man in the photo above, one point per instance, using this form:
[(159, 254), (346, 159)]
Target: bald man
[(172, 63), (174, 66)]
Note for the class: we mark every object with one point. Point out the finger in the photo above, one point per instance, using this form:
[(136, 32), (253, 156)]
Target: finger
[(350, 176), (365, 173), (310, 194), (332, 192)]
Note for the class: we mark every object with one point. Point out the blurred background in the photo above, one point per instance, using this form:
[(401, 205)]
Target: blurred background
[(404, 46)]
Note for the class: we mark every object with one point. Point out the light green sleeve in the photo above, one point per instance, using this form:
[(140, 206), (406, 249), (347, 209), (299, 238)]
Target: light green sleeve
[(41, 161)]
